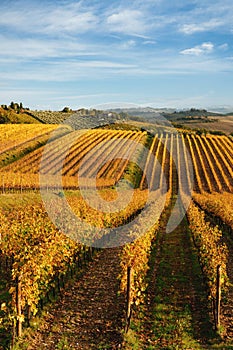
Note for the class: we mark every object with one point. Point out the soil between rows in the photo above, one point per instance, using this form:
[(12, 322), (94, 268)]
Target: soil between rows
[(89, 314)]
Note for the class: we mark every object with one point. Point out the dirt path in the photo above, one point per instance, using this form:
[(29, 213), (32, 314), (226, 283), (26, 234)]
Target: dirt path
[(176, 316), (89, 314)]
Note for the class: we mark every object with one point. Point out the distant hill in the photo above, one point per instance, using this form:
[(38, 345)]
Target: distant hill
[(197, 119), (83, 118), (148, 114), (79, 119), (189, 114), (17, 115), (225, 110)]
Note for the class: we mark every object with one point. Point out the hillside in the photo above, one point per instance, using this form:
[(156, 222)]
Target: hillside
[(79, 119), (11, 116), (82, 118)]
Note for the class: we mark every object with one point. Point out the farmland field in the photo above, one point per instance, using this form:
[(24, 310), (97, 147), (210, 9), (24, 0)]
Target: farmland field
[(150, 288), (222, 123), (208, 157)]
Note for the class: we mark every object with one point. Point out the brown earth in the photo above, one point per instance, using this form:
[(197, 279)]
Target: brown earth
[(89, 314), (224, 124)]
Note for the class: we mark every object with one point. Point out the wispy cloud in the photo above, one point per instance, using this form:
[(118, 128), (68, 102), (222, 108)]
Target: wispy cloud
[(149, 42), (52, 19), (192, 28), (127, 21), (198, 50), (223, 47), (69, 22), (34, 48), (128, 45), (72, 70)]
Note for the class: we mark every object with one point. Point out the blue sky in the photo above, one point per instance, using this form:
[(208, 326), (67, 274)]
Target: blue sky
[(100, 53)]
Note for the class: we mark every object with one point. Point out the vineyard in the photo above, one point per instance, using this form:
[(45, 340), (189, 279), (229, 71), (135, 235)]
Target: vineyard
[(18, 140), (178, 180), (204, 163)]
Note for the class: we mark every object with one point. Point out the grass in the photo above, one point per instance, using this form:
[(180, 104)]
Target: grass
[(131, 341), (172, 328), (62, 344), (172, 318)]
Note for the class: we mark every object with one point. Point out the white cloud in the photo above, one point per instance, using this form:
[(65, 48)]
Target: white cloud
[(71, 70), (127, 21), (224, 47), (149, 42), (207, 46), (192, 28), (199, 49), (33, 48), (52, 19), (75, 70), (129, 44), (69, 21), (102, 64)]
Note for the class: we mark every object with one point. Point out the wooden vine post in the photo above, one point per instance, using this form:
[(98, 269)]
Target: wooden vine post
[(128, 297), (3, 185), (218, 296), (19, 307)]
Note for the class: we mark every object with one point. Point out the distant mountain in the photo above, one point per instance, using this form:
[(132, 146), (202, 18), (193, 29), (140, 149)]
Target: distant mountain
[(153, 114), (150, 111), (148, 114), (221, 109), (142, 110)]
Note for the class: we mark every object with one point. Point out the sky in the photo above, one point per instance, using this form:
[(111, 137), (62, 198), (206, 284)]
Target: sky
[(99, 54)]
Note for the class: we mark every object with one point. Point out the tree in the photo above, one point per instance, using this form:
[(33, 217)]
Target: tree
[(12, 105), (66, 110)]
